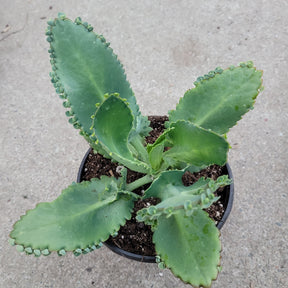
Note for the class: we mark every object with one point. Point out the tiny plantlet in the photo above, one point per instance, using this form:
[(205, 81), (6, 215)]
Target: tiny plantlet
[(91, 81)]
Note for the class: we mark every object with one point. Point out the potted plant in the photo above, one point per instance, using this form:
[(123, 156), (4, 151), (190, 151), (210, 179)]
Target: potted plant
[(89, 78)]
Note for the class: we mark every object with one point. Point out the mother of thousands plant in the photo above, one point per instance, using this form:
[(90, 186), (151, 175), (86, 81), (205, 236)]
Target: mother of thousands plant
[(90, 79)]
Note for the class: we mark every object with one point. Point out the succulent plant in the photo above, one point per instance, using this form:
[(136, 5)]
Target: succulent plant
[(100, 103)]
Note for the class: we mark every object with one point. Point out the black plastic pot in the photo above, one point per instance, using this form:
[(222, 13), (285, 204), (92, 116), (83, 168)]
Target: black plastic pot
[(227, 202)]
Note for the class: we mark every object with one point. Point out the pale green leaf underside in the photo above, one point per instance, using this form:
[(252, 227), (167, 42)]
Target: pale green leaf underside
[(84, 214), (174, 196), (112, 125), (87, 70), (189, 246), (170, 184), (219, 102), (194, 145)]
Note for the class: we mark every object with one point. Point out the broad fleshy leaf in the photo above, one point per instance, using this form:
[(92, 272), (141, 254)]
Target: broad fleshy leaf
[(112, 125), (84, 70), (220, 98), (194, 145), (174, 196), (189, 246), (84, 214), (170, 184)]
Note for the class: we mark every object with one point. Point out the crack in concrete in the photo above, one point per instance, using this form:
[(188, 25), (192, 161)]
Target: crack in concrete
[(17, 31)]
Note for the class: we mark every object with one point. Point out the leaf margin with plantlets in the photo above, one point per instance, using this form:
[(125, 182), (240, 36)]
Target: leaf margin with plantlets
[(184, 256), (178, 206), (93, 88), (175, 196), (188, 144), (99, 200), (200, 102), (113, 136)]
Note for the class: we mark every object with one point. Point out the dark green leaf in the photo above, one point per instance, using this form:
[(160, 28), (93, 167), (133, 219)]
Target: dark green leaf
[(189, 246)]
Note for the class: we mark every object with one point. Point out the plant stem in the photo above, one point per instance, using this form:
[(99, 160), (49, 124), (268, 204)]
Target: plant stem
[(139, 182), (137, 143)]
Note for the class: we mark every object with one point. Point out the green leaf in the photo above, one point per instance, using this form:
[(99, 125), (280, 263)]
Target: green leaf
[(174, 196), (220, 100), (84, 214), (189, 246), (169, 184), (194, 146), (160, 140), (112, 125), (156, 156), (84, 70)]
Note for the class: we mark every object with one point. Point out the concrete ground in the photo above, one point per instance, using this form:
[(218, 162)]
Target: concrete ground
[(164, 45)]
